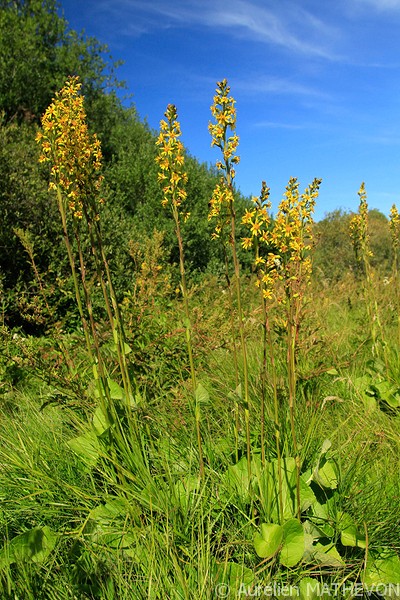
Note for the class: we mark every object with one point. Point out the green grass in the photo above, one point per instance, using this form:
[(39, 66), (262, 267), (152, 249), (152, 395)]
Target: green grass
[(138, 523)]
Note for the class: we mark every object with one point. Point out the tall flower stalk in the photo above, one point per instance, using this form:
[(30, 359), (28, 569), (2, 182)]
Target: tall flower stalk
[(222, 209), (359, 234), (173, 179), (284, 268), (395, 236), (75, 160), (259, 223)]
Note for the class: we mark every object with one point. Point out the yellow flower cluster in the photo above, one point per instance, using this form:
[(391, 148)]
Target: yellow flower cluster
[(395, 226), (359, 228), (282, 247), (219, 207), (75, 155), (258, 219), (171, 160), (224, 113)]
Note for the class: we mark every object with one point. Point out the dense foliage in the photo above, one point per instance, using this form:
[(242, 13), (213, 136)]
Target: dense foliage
[(37, 53)]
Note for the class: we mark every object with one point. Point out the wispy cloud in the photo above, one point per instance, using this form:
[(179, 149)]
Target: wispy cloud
[(380, 5), (280, 125), (283, 24), (277, 85)]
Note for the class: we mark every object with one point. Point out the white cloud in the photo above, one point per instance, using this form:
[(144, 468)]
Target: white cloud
[(281, 23)]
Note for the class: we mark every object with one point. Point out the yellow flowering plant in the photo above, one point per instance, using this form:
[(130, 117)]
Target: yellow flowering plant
[(258, 220), (67, 147), (75, 160), (74, 154), (173, 178), (283, 266), (222, 209), (394, 224), (224, 112), (360, 238), (359, 233), (292, 238), (171, 160)]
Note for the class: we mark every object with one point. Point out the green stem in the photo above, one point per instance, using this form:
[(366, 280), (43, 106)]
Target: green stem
[(234, 350), (291, 362), (112, 308), (374, 314), (241, 327), (101, 380), (189, 336), (263, 372), (276, 415), (71, 259)]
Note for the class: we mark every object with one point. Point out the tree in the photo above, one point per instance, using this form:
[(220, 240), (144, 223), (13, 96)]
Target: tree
[(334, 255), (38, 52)]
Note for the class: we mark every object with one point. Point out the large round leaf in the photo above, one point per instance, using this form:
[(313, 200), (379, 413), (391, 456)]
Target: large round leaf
[(293, 543), (34, 545), (310, 589), (268, 542), (327, 474)]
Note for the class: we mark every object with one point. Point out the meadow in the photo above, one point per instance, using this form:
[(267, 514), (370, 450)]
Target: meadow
[(229, 435)]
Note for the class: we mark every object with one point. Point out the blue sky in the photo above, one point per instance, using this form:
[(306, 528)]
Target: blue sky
[(317, 84)]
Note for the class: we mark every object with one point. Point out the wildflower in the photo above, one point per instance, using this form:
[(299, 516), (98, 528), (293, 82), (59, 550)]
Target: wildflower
[(171, 160), (247, 242), (359, 228), (258, 222), (288, 239), (395, 226), (75, 155), (224, 112), (220, 206)]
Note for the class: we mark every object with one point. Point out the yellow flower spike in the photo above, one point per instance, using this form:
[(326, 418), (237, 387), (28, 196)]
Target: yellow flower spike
[(292, 234), (171, 159), (359, 228), (74, 155), (394, 226)]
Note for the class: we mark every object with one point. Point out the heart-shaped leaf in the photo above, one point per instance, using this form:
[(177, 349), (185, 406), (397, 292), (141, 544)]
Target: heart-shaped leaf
[(268, 542), (87, 447), (326, 474), (293, 543)]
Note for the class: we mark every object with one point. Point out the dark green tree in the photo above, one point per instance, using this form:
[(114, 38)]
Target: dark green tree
[(38, 52)]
